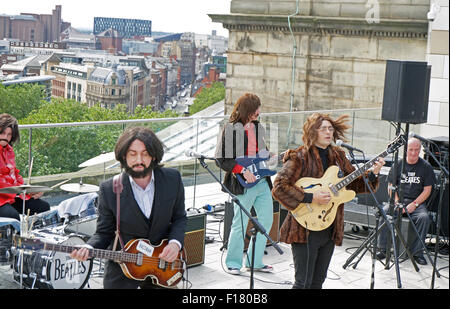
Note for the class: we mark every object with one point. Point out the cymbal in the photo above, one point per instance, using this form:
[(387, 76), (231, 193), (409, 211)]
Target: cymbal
[(103, 158), (79, 188), (23, 188)]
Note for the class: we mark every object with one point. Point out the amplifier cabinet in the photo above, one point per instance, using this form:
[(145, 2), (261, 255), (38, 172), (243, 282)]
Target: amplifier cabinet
[(194, 239), (274, 231)]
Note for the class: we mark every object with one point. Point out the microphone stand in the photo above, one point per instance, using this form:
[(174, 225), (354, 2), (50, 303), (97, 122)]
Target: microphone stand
[(387, 222), (375, 239), (443, 179), (257, 227)]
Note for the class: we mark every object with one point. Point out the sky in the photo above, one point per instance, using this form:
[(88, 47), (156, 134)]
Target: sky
[(166, 15)]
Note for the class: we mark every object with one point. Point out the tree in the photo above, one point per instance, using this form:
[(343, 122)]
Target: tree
[(207, 97), (20, 100), (62, 149)]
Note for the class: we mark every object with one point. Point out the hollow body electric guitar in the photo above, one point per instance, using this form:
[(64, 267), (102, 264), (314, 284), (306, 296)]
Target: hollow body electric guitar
[(317, 217), (138, 260)]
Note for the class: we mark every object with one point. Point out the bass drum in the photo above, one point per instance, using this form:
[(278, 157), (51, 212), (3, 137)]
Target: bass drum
[(44, 269)]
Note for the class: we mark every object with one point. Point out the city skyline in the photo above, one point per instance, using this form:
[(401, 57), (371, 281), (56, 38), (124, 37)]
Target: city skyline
[(166, 16)]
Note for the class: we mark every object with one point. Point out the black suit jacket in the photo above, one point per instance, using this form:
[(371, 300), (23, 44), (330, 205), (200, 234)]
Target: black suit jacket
[(167, 219)]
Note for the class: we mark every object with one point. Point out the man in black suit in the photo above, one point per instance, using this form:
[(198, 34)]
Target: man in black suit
[(152, 205)]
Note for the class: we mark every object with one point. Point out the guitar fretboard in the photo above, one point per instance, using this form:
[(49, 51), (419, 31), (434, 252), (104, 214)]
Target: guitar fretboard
[(358, 172), (95, 253)]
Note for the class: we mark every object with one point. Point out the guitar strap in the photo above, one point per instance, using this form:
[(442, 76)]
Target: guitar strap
[(117, 189)]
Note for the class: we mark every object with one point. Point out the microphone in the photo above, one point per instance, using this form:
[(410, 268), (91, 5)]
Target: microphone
[(342, 144), (193, 154), (420, 138)]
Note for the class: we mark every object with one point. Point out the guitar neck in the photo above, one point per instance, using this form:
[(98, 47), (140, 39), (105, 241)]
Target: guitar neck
[(95, 253), (359, 171)]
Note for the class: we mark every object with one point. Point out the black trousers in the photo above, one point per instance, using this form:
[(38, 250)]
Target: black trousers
[(13, 210), (312, 259)]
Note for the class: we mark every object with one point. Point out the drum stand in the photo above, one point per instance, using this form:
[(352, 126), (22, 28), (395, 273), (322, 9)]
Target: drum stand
[(23, 233)]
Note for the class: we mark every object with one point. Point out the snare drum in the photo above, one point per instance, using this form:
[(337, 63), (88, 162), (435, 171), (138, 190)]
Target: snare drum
[(85, 226), (85, 222), (45, 219), (52, 270)]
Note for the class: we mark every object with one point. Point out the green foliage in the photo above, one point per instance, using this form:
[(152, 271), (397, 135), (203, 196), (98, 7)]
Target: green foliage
[(207, 97), (20, 100), (62, 149)]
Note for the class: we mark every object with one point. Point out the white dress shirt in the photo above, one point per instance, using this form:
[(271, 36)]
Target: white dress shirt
[(144, 198)]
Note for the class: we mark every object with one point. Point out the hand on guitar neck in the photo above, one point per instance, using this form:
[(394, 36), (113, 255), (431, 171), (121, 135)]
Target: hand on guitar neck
[(323, 197)]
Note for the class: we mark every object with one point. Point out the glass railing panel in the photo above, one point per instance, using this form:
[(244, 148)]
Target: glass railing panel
[(59, 150)]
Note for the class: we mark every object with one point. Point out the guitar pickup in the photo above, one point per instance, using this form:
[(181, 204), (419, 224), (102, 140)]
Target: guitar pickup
[(162, 264), (139, 259)]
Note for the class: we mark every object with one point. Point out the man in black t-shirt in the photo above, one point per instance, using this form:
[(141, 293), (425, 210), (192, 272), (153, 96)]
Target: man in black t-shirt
[(416, 182)]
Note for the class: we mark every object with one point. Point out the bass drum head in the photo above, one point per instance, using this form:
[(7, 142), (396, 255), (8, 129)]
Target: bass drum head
[(65, 272)]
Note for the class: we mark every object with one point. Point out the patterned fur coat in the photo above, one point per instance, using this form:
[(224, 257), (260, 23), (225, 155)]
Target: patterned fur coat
[(300, 163)]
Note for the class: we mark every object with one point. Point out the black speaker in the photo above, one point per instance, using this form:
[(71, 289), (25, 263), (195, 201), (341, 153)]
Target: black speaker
[(406, 91)]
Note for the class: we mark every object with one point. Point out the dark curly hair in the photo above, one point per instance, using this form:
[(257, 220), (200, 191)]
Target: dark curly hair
[(314, 122), (8, 121), (154, 146)]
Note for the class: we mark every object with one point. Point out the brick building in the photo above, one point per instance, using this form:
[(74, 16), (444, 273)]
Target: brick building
[(32, 27), (110, 40)]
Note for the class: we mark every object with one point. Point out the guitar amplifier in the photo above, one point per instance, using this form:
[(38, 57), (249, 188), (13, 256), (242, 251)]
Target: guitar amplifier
[(228, 219), (194, 239)]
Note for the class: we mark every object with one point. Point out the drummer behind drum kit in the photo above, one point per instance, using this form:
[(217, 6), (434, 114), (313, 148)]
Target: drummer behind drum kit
[(72, 223)]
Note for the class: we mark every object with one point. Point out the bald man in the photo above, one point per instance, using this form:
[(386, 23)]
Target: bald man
[(416, 181)]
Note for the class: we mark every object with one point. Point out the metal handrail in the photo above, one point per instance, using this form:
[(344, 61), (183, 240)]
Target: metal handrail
[(192, 118)]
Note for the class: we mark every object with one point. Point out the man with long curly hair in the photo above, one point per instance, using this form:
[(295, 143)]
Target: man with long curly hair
[(312, 250)]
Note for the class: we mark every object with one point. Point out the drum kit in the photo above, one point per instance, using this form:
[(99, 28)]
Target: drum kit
[(72, 225)]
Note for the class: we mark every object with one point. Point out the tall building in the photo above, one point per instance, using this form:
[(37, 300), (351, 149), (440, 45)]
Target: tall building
[(187, 61), (127, 28), (32, 27)]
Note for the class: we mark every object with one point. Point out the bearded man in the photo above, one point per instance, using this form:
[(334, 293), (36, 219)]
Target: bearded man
[(152, 205)]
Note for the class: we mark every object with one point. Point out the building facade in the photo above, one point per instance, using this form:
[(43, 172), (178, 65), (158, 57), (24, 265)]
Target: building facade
[(437, 56), (110, 40), (334, 58), (32, 27), (127, 28), (188, 57)]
